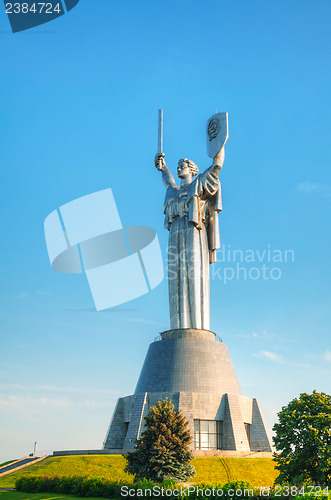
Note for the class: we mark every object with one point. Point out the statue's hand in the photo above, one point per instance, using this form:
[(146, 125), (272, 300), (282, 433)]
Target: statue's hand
[(159, 161), (219, 160)]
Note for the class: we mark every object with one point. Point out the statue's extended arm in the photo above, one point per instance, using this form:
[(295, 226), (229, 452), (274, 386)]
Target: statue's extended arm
[(218, 163), (167, 177)]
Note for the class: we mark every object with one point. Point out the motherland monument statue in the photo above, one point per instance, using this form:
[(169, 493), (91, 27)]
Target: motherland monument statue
[(191, 216), (189, 364)]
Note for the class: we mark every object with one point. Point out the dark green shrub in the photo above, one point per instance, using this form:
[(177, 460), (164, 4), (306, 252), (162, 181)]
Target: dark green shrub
[(163, 451), (303, 440), (80, 486), (103, 488)]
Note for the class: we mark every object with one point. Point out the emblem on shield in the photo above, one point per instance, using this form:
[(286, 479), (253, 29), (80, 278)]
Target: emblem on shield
[(217, 133), (213, 128)]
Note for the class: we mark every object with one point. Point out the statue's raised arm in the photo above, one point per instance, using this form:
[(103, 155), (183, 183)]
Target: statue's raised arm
[(167, 177), (218, 162)]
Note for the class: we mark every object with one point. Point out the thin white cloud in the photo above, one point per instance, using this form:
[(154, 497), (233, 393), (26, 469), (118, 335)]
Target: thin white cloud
[(78, 390), (263, 335), (277, 358), (327, 355), (18, 296), (272, 356), (142, 320), (23, 295), (21, 402), (52, 388), (31, 405), (310, 187), (91, 403)]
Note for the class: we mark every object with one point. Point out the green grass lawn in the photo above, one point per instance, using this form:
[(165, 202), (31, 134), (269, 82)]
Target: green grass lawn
[(16, 495), (257, 471), (108, 466)]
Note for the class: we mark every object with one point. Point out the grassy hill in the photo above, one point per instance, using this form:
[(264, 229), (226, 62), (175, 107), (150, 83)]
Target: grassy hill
[(17, 495), (257, 471)]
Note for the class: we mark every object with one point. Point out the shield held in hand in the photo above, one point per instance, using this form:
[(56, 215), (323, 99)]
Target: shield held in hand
[(217, 133)]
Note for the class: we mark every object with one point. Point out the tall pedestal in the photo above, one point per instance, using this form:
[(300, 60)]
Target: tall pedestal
[(193, 369)]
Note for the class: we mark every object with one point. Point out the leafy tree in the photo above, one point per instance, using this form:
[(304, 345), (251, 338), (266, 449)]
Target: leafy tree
[(162, 452), (303, 438)]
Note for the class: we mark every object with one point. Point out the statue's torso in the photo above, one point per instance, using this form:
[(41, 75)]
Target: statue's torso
[(191, 216), (177, 204)]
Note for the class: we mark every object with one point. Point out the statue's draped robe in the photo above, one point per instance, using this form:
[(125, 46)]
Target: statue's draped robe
[(192, 218)]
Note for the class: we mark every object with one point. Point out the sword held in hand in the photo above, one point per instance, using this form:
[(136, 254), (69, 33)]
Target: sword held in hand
[(159, 163)]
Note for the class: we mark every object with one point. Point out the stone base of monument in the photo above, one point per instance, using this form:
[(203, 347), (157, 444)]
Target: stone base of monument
[(193, 369)]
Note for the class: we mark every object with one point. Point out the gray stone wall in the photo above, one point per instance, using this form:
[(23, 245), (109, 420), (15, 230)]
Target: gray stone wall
[(234, 434), (139, 410), (233, 409), (260, 437), (188, 364), (116, 431)]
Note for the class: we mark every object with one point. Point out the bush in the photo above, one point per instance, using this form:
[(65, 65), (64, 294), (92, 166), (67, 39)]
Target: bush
[(303, 440), (100, 487), (163, 450), (80, 486)]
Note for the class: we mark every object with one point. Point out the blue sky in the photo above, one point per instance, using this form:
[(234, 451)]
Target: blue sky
[(79, 114)]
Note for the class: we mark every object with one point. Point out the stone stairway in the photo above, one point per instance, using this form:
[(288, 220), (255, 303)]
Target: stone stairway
[(19, 464)]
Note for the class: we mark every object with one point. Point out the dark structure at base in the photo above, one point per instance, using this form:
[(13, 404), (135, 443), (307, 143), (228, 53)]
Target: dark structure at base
[(194, 370)]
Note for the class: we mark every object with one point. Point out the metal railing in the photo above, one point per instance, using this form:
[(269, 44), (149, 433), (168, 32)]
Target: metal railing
[(159, 337)]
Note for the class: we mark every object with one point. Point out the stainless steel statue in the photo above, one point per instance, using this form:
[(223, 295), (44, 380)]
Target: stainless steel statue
[(191, 216)]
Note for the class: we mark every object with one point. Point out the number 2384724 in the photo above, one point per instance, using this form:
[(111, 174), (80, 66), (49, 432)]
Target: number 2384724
[(35, 8)]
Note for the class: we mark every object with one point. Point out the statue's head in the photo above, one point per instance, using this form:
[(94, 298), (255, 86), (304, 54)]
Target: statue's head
[(186, 167)]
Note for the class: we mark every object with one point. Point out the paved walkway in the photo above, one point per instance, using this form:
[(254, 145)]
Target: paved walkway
[(23, 462)]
